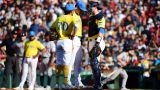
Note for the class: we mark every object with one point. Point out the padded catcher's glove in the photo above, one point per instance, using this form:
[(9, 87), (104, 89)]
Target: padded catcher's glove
[(95, 51)]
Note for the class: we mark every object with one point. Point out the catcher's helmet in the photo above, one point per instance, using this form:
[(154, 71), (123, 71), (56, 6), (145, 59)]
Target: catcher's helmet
[(94, 4)]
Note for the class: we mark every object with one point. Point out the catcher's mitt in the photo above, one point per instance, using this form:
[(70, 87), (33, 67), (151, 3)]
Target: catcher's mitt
[(95, 51)]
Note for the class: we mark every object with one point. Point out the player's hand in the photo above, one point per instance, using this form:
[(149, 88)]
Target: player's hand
[(25, 60), (71, 37), (97, 44), (50, 64), (105, 67), (35, 56)]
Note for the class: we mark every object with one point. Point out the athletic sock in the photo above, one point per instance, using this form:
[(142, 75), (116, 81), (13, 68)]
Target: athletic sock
[(41, 80), (58, 72), (49, 80), (66, 71)]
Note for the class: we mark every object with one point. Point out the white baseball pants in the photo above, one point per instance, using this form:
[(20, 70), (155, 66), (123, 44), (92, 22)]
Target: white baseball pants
[(119, 71), (29, 67), (44, 68), (64, 52), (76, 61)]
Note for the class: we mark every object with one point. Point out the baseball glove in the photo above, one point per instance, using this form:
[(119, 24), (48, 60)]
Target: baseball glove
[(95, 51)]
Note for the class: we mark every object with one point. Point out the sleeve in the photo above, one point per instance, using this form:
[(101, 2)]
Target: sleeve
[(40, 45), (101, 25), (102, 30), (75, 23)]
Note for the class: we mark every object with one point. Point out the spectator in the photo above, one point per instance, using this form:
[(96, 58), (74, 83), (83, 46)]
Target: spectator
[(18, 17), (157, 61), (11, 64), (20, 49), (35, 26)]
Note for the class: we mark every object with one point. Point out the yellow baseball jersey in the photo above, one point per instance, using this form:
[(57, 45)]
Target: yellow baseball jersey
[(64, 25), (32, 47), (78, 24)]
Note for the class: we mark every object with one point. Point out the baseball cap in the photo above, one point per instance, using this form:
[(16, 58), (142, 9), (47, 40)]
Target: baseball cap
[(69, 7), (23, 34), (32, 33), (47, 33), (81, 5)]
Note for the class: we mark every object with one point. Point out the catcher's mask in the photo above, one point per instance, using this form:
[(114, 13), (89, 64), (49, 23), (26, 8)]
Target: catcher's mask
[(93, 4)]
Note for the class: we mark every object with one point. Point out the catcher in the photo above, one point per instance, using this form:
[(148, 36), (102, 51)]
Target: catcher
[(96, 43)]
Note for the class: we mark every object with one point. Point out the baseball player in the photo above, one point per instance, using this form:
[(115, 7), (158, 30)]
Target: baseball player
[(77, 49), (122, 61), (20, 49), (30, 60), (64, 26), (96, 43), (47, 58)]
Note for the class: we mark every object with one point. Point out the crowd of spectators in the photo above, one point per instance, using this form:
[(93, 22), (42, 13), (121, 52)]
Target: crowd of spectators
[(134, 23), (128, 22)]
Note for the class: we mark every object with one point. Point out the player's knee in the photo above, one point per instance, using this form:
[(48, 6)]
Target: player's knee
[(111, 79), (125, 75)]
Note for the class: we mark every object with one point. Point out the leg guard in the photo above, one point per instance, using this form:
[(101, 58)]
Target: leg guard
[(96, 72)]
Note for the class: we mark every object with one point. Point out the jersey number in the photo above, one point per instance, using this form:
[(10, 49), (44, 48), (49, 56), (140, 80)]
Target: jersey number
[(62, 26)]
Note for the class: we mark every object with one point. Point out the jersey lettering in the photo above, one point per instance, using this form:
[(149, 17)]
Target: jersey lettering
[(63, 26)]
